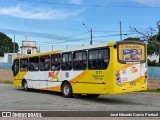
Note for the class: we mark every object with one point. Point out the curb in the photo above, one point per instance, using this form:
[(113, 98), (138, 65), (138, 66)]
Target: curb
[(147, 93)]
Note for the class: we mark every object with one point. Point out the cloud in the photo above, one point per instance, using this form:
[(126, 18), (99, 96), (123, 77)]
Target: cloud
[(78, 2), (147, 2), (38, 13)]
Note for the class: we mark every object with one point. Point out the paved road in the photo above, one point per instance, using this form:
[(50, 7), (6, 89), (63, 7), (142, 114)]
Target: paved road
[(12, 98)]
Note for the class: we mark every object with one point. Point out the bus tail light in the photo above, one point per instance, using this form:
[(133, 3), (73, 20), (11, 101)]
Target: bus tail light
[(146, 77), (118, 80)]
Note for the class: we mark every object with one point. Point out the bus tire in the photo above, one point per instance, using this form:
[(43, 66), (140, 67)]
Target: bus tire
[(66, 90), (93, 95), (25, 86)]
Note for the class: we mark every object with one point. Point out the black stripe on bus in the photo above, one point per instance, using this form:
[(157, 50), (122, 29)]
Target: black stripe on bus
[(62, 81)]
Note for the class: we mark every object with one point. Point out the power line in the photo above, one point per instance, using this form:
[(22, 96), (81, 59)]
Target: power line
[(66, 37), (63, 42), (78, 39), (87, 5), (87, 38)]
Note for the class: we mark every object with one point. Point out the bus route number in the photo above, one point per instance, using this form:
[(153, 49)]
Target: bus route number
[(98, 75)]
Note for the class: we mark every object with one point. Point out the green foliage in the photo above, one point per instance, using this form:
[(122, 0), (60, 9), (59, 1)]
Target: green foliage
[(132, 39), (6, 81), (151, 48), (153, 91), (153, 63), (6, 44)]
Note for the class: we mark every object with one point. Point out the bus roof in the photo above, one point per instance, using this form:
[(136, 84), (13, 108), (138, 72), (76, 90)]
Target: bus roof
[(79, 48), (70, 49)]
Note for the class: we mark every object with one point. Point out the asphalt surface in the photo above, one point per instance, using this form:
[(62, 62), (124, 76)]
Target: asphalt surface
[(12, 98)]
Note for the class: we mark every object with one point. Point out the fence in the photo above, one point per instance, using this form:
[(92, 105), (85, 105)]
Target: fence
[(154, 72), (6, 66)]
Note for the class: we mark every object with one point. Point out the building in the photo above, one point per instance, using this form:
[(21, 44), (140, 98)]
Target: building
[(8, 57), (28, 47)]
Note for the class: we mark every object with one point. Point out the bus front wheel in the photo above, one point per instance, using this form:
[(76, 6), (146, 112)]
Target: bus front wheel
[(66, 90), (25, 86)]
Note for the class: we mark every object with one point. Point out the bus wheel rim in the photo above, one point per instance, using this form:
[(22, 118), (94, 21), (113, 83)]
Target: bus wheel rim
[(25, 86), (66, 90)]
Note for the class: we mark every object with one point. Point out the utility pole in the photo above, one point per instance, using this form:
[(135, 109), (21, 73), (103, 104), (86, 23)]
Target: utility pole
[(39, 49), (91, 37), (52, 47), (90, 32), (158, 25), (120, 31), (14, 45)]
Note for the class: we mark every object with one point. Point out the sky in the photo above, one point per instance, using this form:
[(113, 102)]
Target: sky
[(59, 23)]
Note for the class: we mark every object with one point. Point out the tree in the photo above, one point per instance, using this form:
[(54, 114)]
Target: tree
[(6, 44), (151, 38), (150, 47), (132, 39)]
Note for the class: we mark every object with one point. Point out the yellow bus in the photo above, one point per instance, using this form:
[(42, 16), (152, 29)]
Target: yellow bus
[(108, 68)]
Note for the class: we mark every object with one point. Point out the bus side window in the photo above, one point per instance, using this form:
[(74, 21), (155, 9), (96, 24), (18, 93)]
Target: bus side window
[(55, 62), (24, 64), (15, 67), (44, 63), (33, 63), (104, 58), (98, 59), (66, 61), (80, 60)]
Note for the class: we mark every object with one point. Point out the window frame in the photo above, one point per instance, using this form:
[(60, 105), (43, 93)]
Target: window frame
[(71, 62), (27, 64), (59, 62), (80, 60), (131, 42), (44, 63), (37, 63), (99, 48), (29, 51)]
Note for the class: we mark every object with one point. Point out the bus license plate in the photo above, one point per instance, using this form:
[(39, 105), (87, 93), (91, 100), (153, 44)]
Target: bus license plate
[(132, 83)]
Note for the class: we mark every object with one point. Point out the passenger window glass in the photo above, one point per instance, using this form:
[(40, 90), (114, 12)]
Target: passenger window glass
[(67, 61), (24, 64), (33, 63), (55, 62), (44, 63), (98, 59), (80, 60)]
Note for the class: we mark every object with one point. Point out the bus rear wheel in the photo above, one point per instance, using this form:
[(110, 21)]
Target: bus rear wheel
[(25, 86), (66, 90)]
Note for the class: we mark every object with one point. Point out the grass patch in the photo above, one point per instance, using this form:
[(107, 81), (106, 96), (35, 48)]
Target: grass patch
[(7, 82)]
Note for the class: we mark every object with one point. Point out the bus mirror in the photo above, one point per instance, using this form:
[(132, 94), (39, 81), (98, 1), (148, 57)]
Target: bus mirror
[(115, 46)]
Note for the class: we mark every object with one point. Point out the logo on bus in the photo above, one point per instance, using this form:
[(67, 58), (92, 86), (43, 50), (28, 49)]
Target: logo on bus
[(134, 70), (53, 75)]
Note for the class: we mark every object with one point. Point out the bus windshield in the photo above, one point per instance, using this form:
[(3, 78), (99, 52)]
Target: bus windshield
[(131, 52)]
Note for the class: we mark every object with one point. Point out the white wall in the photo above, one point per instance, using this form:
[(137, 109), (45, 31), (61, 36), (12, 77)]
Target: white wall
[(1, 59), (5, 58), (153, 57)]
